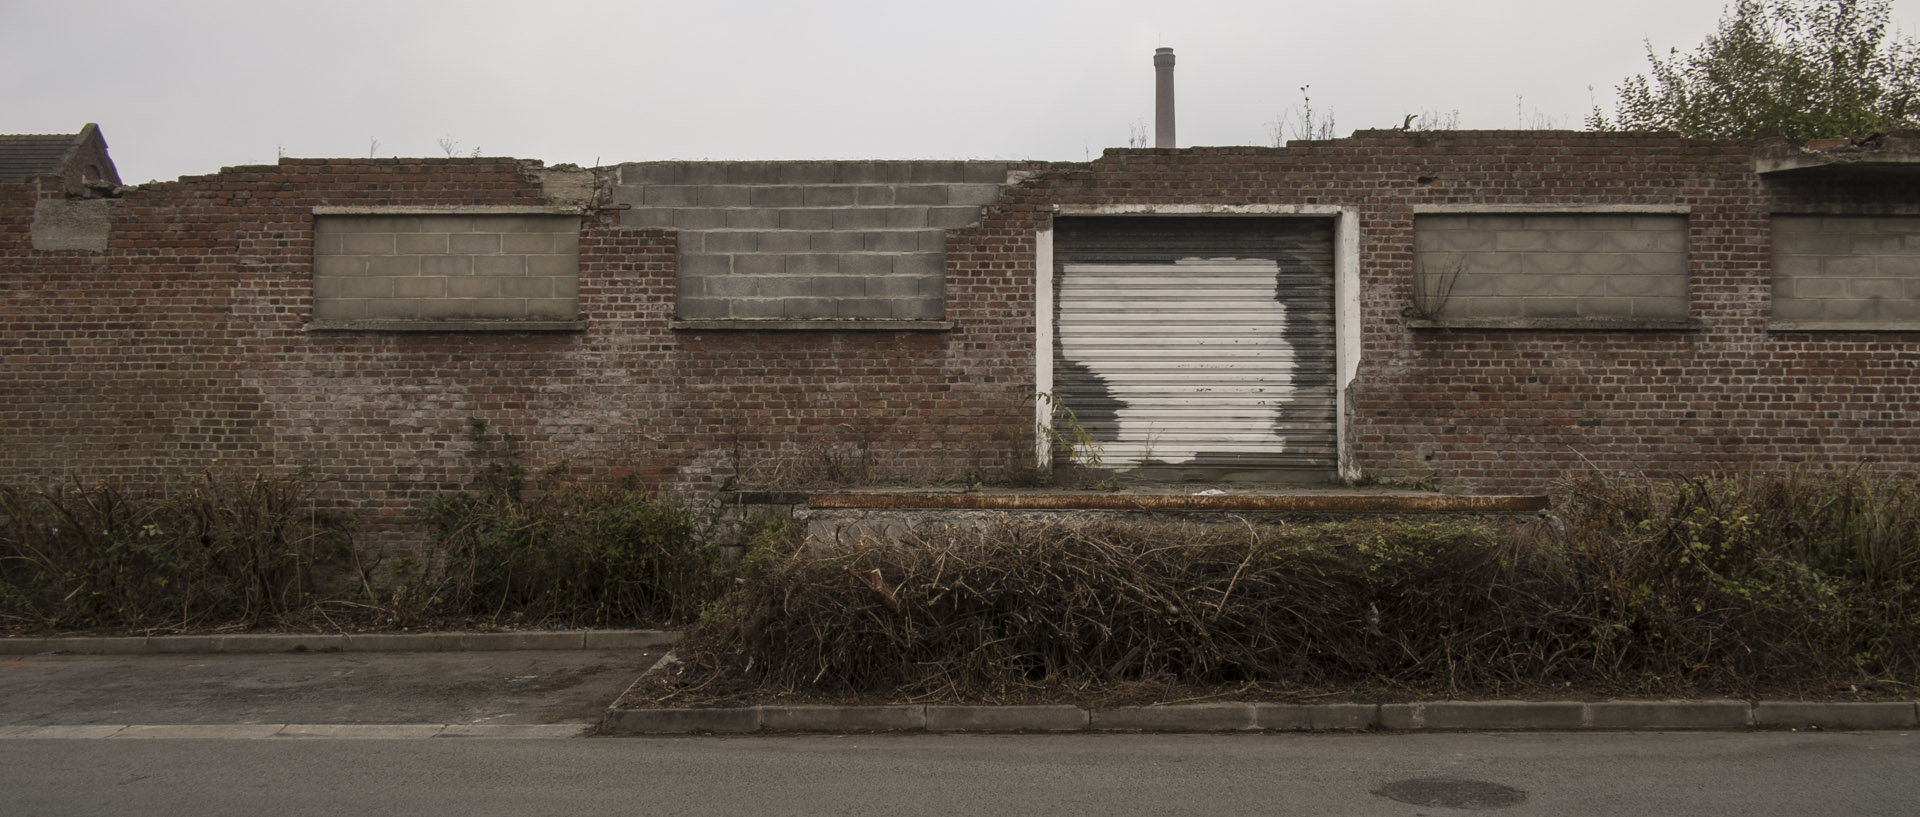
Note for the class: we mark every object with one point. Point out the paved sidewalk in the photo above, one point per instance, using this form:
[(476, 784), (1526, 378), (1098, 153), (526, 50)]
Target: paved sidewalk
[(567, 683), (444, 684), (341, 642)]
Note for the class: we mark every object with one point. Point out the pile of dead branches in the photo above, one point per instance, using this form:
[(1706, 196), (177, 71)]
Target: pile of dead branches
[(1639, 588)]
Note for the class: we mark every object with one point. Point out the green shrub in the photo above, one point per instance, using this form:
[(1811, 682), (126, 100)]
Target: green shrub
[(568, 553), (220, 551)]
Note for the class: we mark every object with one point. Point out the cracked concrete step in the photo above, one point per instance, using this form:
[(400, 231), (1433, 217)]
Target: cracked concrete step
[(803, 218), (812, 172)]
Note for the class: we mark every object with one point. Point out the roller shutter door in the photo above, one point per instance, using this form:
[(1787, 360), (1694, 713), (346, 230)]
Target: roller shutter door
[(1199, 348)]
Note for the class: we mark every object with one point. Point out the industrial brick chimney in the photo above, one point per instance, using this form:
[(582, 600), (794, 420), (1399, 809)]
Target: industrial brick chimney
[(1163, 98)]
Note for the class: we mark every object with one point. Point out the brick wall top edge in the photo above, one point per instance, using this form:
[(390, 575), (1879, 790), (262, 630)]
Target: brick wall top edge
[(397, 160), (1513, 138), (289, 170)]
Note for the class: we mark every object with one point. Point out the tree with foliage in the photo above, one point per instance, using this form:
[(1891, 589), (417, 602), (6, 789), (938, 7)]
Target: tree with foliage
[(1803, 69)]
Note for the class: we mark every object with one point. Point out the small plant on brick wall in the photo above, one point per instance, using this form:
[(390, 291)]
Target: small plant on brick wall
[(1433, 286), (1070, 441)]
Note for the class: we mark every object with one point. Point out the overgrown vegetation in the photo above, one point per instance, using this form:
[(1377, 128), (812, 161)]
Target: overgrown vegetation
[(240, 553), (221, 551), (1803, 69), (1723, 585), (568, 553)]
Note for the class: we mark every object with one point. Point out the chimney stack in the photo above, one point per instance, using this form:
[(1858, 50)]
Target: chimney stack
[(1163, 98)]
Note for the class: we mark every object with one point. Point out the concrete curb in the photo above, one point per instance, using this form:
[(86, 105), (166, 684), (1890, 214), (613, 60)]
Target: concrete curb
[(341, 642), (1435, 716), (300, 731)]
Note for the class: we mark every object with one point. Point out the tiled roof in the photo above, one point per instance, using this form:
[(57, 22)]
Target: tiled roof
[(24, 156)]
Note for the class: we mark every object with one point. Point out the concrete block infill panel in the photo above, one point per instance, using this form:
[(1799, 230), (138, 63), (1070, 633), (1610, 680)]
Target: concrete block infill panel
[(1846, 271), (490, 267), (823, 223), (1551, 266)]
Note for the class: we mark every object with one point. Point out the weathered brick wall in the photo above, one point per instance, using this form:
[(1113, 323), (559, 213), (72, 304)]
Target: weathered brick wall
[(185, 344), (1490, 409)]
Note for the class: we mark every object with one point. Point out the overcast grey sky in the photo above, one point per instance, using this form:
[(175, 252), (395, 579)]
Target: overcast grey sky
[(189, 86)]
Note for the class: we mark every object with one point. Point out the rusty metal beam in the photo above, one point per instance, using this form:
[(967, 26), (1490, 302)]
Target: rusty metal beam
[(1291, 503)]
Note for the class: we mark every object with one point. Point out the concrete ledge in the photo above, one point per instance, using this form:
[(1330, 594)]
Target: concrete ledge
[(337, 642), (1060, 718), (1218, 717), (810, 325), (904, 718), (449, 210), (1304, 502), (447, 326), (1843, 326), (1560, 324), (297, 731), (1808, 714), (1670, 715)]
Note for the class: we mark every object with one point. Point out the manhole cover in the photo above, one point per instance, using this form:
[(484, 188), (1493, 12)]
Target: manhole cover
[(1448, 793)]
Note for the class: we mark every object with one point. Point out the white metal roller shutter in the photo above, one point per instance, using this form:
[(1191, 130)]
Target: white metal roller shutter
[(1200, 366)]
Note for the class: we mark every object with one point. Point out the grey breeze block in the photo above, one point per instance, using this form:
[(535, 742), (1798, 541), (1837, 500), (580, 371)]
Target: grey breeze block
[(446, 267)]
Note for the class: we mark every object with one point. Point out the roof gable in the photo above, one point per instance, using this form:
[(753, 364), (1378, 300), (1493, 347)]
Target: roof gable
[(24, 156)]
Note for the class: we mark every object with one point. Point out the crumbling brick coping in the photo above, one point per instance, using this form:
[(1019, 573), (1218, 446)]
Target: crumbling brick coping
[(341, 642), (1274, 717), (1291, 502)]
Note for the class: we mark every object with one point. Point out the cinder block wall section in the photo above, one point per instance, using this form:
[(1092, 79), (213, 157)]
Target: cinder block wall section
[(1551, 266), (451, 267), (854, 240), (1846, 271)]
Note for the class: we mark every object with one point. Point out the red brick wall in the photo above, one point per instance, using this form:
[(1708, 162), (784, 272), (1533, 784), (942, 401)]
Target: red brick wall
[(1516, 410), (184, 346)]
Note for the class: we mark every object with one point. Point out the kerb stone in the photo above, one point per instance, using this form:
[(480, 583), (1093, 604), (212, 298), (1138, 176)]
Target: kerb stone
[(1214, 717), (1006, 718), (843, 718)]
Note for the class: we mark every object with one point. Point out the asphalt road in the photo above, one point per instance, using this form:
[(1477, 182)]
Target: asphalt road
[(1552, 774)]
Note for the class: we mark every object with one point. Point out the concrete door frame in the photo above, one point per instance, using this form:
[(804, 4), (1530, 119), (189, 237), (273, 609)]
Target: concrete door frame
[(1346, 304)]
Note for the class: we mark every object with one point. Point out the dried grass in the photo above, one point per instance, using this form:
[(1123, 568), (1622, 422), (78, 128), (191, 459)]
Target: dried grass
[(1729, 585)]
